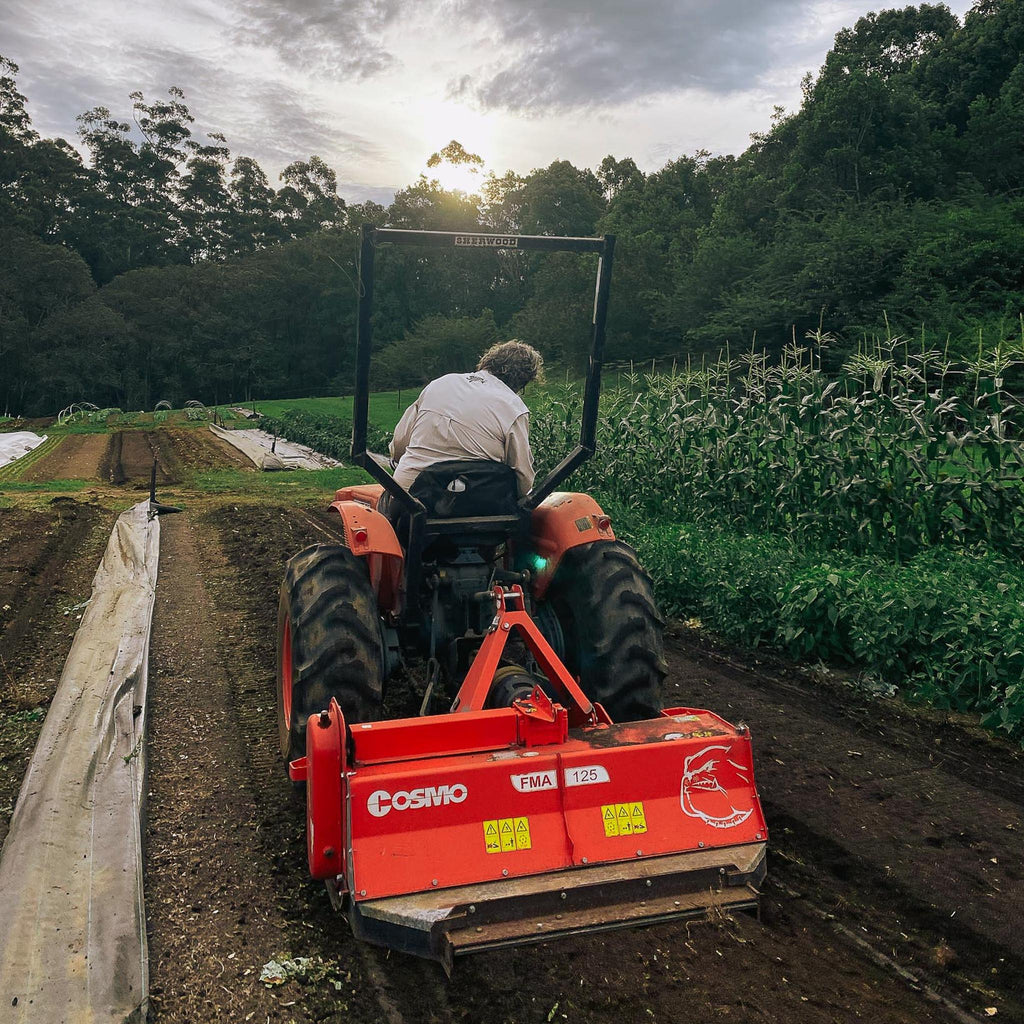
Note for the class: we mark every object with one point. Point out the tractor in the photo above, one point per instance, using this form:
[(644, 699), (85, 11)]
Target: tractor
[(542, 790)]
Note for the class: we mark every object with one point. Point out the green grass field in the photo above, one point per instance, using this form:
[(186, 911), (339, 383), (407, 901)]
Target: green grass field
[(385, 408), (295, 485)]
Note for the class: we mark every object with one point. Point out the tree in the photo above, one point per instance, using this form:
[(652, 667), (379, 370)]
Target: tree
[(616, 175), (249, 224), (434, 346), (456, 155), (501, 209), (309, 200), (203, 200), (561, 200), (38, 284), (15, 123)]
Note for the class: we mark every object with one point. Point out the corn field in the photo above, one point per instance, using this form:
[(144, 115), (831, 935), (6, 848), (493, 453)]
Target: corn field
[(905, 451)]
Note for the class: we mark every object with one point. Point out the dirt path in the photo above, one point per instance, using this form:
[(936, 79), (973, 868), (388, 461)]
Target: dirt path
[(222, 893), (77, 457)]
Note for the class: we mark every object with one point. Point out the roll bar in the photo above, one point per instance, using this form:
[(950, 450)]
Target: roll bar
[(370, 237)]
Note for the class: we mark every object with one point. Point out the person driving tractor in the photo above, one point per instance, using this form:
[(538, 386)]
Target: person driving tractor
[(472, 416)]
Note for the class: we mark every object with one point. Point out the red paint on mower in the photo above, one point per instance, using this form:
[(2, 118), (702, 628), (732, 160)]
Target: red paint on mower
[(483, 828)]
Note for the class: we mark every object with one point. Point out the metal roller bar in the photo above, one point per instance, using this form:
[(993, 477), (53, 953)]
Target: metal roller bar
[(480, 240)]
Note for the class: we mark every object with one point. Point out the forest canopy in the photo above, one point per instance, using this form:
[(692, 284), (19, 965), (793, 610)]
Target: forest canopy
[(159, 266)]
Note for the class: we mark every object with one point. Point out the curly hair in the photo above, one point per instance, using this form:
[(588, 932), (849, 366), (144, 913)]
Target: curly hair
[(513, 362)]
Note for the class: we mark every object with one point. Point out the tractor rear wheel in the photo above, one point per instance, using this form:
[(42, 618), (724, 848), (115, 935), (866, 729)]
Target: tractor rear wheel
[(611, 627), (328, 643)]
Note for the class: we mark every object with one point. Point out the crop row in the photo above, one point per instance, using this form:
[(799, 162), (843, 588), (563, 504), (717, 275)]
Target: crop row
[(896, 456)]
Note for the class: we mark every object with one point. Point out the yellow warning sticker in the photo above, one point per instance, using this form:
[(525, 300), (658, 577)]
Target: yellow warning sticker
[(507, 834), (522, 828), (491, 842), (637, 818), (624, 819), (611, 827)]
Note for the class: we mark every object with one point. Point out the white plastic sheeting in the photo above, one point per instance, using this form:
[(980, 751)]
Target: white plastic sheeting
[(72, 917), (267, 453), (16, 444)]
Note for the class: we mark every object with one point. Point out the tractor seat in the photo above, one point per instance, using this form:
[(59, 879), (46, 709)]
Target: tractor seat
[(469, 503), (463, 489)]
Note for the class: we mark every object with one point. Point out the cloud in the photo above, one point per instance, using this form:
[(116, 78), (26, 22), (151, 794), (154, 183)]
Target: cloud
[(383, 195), (339, 40), (265, 118), (260, 116), (593, 53)]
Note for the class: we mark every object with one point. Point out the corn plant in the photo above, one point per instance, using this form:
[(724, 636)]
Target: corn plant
[(902, 452)]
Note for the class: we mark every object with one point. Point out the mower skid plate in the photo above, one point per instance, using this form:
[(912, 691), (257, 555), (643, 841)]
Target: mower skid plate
[(443, 924)]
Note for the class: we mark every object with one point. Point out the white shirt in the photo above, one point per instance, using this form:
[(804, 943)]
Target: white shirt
[(464, 416)]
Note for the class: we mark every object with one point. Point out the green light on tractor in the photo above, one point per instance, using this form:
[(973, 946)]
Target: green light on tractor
[(539, 564)]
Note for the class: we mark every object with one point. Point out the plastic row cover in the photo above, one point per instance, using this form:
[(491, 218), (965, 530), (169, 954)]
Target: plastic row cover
[(72, 918), (17, 443), (269, 453)]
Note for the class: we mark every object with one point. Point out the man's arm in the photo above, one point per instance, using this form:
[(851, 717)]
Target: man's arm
[(518, 454), (403, 432)]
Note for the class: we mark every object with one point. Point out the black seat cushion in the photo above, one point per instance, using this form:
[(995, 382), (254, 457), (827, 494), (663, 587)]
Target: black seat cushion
[(462, 488)]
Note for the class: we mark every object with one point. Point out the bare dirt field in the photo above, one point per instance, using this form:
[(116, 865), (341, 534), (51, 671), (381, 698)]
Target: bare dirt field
[(77, 457), (47, 561), (125, 458), (895, 885), (201, 449)]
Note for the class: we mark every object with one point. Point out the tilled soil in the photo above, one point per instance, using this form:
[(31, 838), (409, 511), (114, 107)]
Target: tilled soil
[(125, 458), (132, 456), (47, 562), (894, 889), (77, 457), (200, 449)]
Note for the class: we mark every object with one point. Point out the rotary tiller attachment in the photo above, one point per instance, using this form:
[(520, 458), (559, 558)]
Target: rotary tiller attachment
[(479, 829)]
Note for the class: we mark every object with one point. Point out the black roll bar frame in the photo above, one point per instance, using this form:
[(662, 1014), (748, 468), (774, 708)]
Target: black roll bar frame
[(378, 465)]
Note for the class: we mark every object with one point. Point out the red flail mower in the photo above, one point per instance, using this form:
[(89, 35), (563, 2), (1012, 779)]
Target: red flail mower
[(553, 795)]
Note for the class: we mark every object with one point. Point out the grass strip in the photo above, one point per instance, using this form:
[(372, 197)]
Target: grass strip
[(292, 485)]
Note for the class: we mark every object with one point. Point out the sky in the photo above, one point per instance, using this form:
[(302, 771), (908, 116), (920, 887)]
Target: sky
[(375, 86)]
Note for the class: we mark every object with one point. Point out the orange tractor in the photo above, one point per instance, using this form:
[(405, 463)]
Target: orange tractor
[(554, 795)]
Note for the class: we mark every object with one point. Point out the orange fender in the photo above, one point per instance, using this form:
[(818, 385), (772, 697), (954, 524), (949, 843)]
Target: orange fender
[(564, 520), (367, 494), (370, 535)]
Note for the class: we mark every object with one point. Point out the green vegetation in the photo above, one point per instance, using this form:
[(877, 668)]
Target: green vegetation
[(385, 410), (947, 626), (876, 520), (902, 452), (161, 269), (293, 486), (12, 486)]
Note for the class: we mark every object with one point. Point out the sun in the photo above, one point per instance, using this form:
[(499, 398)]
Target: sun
[(460, 140), (457, 177)]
